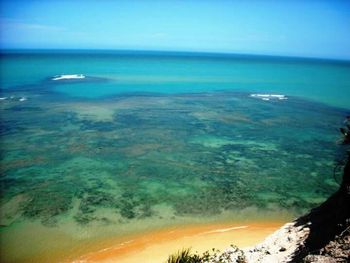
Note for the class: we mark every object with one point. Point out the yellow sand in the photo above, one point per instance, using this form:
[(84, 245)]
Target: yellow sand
[(157, 246)]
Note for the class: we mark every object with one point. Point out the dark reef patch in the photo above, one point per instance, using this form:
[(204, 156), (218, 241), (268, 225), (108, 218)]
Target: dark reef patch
[(196, 154)]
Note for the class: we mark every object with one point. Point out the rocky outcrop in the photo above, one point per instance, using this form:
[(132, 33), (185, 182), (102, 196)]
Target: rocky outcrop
[(280, 246), (337, 250), (304, 240)]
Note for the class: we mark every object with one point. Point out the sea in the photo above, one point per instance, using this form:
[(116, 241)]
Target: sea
[(101, 145)]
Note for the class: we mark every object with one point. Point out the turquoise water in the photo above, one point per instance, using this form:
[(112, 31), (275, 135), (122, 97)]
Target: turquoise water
[(319, 80), (157, 139)]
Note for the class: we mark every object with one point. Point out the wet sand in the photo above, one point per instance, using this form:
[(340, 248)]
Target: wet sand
[(157, 246)]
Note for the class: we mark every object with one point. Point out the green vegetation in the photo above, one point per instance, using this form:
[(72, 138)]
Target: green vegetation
[(234, 255), (184, 256)]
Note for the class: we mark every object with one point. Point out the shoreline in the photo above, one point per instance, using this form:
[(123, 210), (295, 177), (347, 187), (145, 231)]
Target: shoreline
[(33, 242), (156, 246)]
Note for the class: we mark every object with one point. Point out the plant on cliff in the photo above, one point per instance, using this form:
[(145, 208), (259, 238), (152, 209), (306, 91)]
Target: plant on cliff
[(234, 255)]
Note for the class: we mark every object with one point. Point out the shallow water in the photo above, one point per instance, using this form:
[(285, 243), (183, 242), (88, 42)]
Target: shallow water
[(86, 160)]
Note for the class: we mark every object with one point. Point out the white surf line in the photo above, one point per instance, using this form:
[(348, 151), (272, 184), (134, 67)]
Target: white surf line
[(223, 230), (119, 246)]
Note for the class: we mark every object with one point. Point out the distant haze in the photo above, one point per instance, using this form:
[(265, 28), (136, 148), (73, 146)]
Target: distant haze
[(291, 28)]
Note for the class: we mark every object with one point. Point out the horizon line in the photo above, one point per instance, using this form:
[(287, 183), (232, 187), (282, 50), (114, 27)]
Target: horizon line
[(222, 53)]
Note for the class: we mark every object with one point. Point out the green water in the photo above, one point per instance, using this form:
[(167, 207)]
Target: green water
[(153, 140)]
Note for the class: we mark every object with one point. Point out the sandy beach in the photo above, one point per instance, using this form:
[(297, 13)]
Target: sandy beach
[(157, 246)]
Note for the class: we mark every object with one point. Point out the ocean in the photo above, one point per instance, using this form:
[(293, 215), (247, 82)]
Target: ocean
[(147, 140)]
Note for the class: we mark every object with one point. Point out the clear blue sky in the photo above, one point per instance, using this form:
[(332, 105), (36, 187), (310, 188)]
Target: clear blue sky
[(313, 28)]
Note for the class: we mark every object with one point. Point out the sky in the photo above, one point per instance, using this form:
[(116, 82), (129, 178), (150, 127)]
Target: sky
[(309, 28)]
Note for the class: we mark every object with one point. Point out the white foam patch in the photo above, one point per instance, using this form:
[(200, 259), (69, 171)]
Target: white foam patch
[(70, 76), (268, 97), (13, 98)]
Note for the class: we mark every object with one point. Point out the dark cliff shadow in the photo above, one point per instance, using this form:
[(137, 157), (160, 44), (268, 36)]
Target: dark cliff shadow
[(326, 221)]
